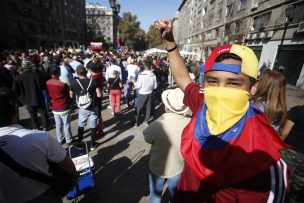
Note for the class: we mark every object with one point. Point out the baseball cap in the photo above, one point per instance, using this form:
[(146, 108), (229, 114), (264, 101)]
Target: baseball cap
[(250, 65)]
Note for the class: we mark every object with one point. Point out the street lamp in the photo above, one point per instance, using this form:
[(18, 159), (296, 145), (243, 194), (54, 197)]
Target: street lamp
[(289, 12), (116, 8)]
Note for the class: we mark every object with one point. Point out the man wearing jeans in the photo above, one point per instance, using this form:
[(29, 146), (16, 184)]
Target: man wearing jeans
[(166, 162), (88, 108), (59, 93)]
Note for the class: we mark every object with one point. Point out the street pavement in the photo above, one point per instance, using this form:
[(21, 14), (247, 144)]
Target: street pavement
[(121, 158)]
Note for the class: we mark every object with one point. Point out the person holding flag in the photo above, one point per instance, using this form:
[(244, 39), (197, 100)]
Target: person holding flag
[(231, 152)]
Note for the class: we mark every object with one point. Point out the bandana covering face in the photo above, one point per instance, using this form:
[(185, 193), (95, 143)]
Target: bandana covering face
[(225, 107)]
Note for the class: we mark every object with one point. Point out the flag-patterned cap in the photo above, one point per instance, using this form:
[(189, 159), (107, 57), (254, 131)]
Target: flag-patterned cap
[(250, 65)]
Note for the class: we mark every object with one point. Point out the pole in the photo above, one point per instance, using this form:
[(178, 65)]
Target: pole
[(282, 40)]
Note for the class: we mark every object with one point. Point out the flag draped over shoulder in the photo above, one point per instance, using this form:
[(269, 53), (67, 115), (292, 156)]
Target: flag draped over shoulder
[(245, 150)]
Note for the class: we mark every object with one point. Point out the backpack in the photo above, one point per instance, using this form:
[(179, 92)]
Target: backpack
[(84, 100)]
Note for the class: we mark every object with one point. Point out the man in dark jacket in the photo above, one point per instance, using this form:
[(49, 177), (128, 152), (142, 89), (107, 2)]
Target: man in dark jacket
[(29, 90)]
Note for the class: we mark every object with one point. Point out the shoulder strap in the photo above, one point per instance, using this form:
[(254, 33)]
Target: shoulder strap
[(82, 86), (89, 84), (23, 171), (114, 81)]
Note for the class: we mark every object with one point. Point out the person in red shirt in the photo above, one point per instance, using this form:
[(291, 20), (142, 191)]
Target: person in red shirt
[(230, 150), (59, 93)]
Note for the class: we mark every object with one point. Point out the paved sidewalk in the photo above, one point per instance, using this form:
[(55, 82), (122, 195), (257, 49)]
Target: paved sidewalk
[(121, 158)]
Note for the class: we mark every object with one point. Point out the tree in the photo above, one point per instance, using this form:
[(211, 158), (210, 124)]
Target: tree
[(153, 37), (130, 32)]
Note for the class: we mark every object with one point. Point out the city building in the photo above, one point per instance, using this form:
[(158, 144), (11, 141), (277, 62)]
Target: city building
[(41, 23), (101, 23), (260, 24)]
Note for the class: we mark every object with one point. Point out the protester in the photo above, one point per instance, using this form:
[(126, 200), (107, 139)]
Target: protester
[(128, 90), (270, 97), (74, 64), (67, 71), (132, 68), (115, 85), (201, 73), (96, 67), (29, 88), (145, 84), (59, 93), (293, 134), (31, 149), (86, 90), (231, 152), (166, 162), (109, 73)]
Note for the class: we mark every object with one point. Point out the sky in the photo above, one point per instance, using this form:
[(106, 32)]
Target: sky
[(147, 11)]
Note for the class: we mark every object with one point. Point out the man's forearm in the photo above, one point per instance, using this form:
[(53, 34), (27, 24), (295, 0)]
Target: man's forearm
[(177, 66)]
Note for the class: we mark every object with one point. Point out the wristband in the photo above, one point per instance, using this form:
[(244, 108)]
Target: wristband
[(170, 50)]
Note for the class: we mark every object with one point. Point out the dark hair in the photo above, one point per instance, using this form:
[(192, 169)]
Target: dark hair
[(95, 67), (80, 70), (55, 69), (7, 106), (252, 80), (227, 56)]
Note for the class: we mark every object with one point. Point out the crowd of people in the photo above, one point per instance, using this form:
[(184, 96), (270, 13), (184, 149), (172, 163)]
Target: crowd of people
[(225, 135)]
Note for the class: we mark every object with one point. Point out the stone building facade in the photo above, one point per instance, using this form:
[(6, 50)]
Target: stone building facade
[(100, 23), (259, 24), (41, 23)]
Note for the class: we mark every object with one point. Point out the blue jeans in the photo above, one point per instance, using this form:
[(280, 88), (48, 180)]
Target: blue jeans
[(63, 120), (157, 184), (88, 116)]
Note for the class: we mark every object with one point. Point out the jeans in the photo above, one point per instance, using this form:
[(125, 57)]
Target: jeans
[(157, 184), (63, 120), (33, 110), (295, 160), (89, 116), (115, 100)]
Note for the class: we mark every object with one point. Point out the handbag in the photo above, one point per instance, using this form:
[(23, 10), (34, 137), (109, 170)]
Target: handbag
[(60, 181)]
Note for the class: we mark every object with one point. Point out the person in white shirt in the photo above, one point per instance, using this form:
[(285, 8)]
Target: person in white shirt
[(132, 68), (109, 72), (74, 65), (32, 150), (145, 84)]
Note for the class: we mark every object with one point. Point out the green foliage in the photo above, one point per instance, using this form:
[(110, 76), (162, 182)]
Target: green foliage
[(130, 32), (153, 37)]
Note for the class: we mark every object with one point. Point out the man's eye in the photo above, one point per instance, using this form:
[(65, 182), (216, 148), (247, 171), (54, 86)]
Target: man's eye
[(211, 82), (234, 84)]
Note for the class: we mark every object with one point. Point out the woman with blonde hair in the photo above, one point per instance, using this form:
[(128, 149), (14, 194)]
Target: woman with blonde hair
[(270, 97)]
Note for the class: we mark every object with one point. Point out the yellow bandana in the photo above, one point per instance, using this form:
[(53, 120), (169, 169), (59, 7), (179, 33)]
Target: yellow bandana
[(225, 107)]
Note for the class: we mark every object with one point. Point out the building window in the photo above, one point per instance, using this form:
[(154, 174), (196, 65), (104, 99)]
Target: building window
[(243, 4), (212, 3), (299, 14), (219, 13), (229, 10), (204, 11), (261, 21)]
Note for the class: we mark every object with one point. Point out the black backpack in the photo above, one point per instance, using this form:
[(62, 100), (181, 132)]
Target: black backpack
[(84, 100)]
